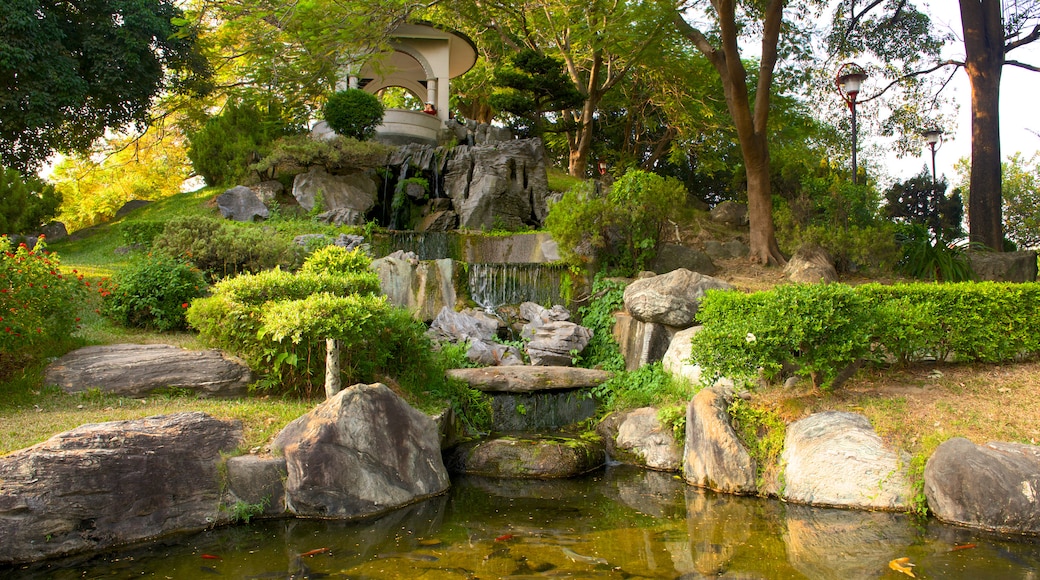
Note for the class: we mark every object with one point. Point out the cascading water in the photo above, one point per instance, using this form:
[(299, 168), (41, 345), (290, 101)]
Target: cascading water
[(493, 285)]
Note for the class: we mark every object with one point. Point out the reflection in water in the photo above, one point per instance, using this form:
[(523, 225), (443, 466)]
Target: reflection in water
[(618, 523)]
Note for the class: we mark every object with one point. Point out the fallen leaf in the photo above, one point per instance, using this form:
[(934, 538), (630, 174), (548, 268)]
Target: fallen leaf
[(962, 547), (429, 542), (902, 565)]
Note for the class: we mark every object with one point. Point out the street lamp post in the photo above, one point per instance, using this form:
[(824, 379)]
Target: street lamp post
[(933, 137), (849, 80)]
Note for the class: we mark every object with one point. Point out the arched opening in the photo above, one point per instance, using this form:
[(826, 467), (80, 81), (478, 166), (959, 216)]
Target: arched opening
[(398, 97)]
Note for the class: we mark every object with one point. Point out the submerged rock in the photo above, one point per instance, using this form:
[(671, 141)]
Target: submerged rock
[(523, 457)]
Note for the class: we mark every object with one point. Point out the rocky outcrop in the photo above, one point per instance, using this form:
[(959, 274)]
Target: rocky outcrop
[(730, 213), (551, 341), (640, 342), (107, 484), (527, 379), (670, 299), (498, 185), (676, 360), (642, 439), (671, 257), (836, 459), (479, 329), (241, 204), (527, 457), (135, 370), (714, 456), (811, 265), (423, 288), (1004, 266), (355, 191), (362, 452), (995, 486)]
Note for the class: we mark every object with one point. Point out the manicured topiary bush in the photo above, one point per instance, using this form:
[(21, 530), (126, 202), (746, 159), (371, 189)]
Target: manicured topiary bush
[(353, 113)]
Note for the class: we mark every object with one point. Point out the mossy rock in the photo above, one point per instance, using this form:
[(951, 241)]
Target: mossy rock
[(528, 457)]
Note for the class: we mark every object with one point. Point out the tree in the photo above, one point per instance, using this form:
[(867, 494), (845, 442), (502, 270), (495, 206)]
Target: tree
[(988, 38), (1021, 188), (26, 204), (919, 201), (71, 70), (723, 51), (532, 85)]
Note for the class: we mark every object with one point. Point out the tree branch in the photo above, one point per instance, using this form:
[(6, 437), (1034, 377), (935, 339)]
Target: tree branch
[(909, 76), (1024, 65), (1031, 37)]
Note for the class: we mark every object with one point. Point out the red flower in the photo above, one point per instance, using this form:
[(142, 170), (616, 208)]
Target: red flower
[(185, 305)]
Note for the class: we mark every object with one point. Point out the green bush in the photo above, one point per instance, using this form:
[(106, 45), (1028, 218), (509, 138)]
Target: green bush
[(624, 224), (153, 292), (223, 149), (353, 113), (141, 232), (221, 248), (336, 260), (26, 204), (825, 331), (928, 257), (298, 153), (37, 301)]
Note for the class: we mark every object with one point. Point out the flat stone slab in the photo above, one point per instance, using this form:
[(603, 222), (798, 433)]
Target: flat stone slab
[(134, 370), (527, 379)]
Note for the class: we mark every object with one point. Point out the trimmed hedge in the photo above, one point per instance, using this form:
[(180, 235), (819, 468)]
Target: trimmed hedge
[(825, 331)]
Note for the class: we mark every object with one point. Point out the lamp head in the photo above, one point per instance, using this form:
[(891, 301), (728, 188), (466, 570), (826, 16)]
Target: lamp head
[(932, 136), (850, 80)]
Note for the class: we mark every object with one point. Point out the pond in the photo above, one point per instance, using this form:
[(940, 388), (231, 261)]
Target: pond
[(619, 522)]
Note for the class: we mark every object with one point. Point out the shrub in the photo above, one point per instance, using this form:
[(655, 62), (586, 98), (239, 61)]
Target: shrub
[(36, 299), (336, 260), (26, 204), (152, 291), (353, 113), (223, 149), (929, 257), (298, 153), (220, 248), (624, 224), (141, 232)]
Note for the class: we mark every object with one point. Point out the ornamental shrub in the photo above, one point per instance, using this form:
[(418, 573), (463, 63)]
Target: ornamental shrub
[(353, 113), (37, 301), (221, 248), (152, 291)]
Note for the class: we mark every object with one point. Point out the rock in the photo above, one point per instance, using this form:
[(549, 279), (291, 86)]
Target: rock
[(498, 185), (355, 191), (363, 452), (811, 265), (107, 484), (528, 379), (539, 411), (423, 288), (995, 486), (640, 342), (54, 231), (724, 250), (269, 191), (642, 435), (730, 213), (539, 457), (134, 370), (673, 256), (676, 359), (494, 354), (714, 457), (671, 298), (1004, 266), (556, 343), (836, 459), (258, 480), (343, 216), (241, 205), (473, 325), (533, 312), (131, 206), (438, 221)]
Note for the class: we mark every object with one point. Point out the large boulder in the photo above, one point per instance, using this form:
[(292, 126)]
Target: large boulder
[(423, 288), (811, 265), (671, 298), (836, 459), (108, 484), (241, 204), (354, 191), (498, 185), (552, 339), (730, 213), (714, 457), (674, 256), (725, 250), (135, 370), (527, 457), (640, 342), (1004, 266), (363, 452), (642, 437), (676, 360), (995, 486)]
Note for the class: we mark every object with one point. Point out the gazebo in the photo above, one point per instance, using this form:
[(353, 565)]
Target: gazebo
[(425, 58)]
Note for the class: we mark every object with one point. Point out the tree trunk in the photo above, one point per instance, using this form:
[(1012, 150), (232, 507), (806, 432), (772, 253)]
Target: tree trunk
[(333, 383), (984, 49), (581, 142)]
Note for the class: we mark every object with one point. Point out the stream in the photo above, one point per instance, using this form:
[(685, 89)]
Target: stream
[(619, 522)]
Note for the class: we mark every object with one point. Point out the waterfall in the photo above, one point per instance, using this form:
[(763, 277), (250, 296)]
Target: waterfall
[(493, 285)]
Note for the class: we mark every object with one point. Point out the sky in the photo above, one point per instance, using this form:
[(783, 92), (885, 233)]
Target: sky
[(1019, 106)]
